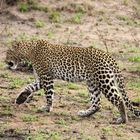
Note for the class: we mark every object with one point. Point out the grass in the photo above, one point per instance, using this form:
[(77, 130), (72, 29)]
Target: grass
[(29, 118), (16, 82), (93, 45), (39, 24), (61, 122), (7, 111), (72, 86), (126, 2), (107, 130), (4, 75), (40, 93), (129, 20), (2, 64), (4, 98), (22, 36), (134, 69), (54, 16), (55, 136), (77, 18), (83, 94), (39, 134), (134, 59), (23, 7), (50, 34), (31, 5), (34, 5), (134, 84)]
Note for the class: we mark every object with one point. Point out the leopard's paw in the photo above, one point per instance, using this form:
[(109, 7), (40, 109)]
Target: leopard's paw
[(22, 97)]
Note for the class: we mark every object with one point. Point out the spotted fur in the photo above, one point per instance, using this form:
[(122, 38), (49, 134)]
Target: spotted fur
[(96, 67)]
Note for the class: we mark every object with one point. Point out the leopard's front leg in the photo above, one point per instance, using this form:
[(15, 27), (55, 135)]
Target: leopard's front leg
[(47, 84), (27, 92)]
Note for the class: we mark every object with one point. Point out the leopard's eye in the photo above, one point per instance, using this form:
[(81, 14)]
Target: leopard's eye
[(10, 64)]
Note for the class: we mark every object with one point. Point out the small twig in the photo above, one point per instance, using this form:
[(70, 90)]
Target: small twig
[(101, 37)]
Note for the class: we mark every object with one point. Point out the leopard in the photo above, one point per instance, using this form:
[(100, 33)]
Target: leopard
[(96, 67)]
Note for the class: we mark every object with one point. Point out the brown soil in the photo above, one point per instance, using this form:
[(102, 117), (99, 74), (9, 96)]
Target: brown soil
[(112, 25)]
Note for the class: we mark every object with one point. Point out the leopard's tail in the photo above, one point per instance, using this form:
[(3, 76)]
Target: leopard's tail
[(130, 104)]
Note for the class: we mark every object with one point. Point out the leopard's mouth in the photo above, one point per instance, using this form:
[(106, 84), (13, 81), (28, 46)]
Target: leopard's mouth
[(11, 65)]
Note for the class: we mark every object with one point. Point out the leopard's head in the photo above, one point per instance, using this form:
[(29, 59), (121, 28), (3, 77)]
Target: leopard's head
[(12, 58)]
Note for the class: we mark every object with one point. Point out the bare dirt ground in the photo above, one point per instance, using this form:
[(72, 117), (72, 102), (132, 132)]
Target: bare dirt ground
[(111, 25)]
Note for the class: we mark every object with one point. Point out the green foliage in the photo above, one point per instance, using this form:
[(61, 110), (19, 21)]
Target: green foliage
[(2, 64), (107, 130), (4, 75), (55, 136), (134, 59), (50, 34), (16, 82), (40, 93), (23, 7), (126, 2), (8, 111), (134, 84), (83, 94), (77, 18), (93, 45), (39, 23), (38, 135), (29, 118), (54, 16), (22, 36), (61, 122), (31, 4), (129, 20), (73, 86)]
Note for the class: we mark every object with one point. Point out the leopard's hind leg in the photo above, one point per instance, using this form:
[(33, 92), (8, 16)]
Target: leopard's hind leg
[(94, 92), (112, 94)]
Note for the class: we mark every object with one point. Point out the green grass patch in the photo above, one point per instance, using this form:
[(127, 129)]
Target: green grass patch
[(129, 20), (93, 45), (39, 23), (126, 2), (29, 118), (134, 59), (4, 98), (55, 16), (72, 86), (23, 7), (77, 18), (40, 93), (83, 94), (134, 84), (2, 64), (107, 130), (40, 134), (4, 75), (22, 36), (50, 34), (31, 5), (55, 136), (16, 82), (7, 111), (61, 122)]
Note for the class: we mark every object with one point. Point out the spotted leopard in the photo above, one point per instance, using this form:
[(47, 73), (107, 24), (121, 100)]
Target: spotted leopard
[(96, 67)]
